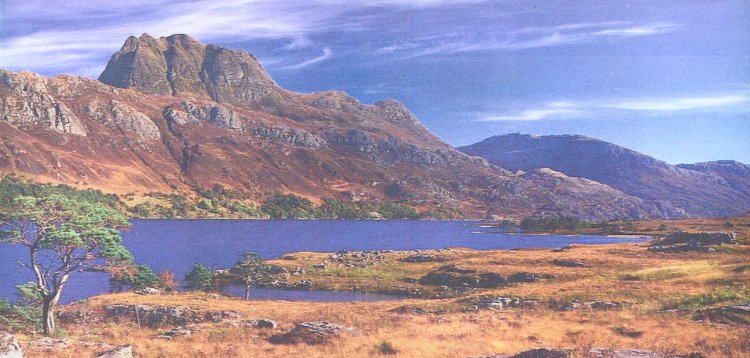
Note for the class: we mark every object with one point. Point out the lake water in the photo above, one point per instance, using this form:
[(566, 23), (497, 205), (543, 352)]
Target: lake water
[(176, 245)]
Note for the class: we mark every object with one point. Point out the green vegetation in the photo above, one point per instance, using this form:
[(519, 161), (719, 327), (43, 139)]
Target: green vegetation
[(718, 295), (251, 269), (137, 278), (25, 315), (62, 235), (12, 187), (287, 206), (200, 278), (535, 224), (220, 202)]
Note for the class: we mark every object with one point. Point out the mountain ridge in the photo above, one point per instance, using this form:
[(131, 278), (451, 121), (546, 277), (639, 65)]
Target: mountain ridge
[(179, 115), (682, 187)]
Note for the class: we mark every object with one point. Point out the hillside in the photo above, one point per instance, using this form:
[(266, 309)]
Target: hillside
[(707, 189), (173, 115)]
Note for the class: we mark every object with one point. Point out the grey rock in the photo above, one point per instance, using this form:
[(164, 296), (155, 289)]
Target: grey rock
[(9, 347), (31, 102), (119, 352), (739, 314), (51, 343), (153, 316), (179, 64), (420, 258), (267, 323), (568, 263), (317, 332)]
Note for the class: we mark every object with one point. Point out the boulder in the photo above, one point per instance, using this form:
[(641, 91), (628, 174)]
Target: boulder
[(9, 347), (623, 353), (568, 263), (153, 316), (539, 353), (418, 258), (119, 352), (590, 353), (51, 343), (317, 332), (683, 241), (727, 314), (267, 323), (591, 305), (523, 277), (462, 278), (500, 302)]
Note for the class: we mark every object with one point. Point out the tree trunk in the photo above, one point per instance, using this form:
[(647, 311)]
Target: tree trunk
[(247, 292), (48, 315)]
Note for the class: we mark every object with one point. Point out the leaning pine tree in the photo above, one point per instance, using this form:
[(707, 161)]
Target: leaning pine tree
[(62, 236)]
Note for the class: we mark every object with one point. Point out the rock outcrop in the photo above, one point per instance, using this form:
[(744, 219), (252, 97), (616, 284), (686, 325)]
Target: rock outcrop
[(179, 64), (9, 347), (683, 241), (28, 101), (119, 352), (317, 332)]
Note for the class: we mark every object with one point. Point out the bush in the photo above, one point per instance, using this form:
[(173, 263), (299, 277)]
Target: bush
[(200, 278), (386, 348), (167, 282)]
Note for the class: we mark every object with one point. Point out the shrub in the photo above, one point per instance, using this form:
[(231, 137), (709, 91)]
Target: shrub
[(200, 278)]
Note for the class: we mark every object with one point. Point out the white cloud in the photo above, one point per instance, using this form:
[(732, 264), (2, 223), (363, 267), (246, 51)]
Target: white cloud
[(678, 104), (530, 38), (596, 108), (327, 53), (555, 110)]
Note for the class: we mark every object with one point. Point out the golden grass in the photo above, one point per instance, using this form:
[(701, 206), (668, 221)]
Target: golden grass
[(621, 272)]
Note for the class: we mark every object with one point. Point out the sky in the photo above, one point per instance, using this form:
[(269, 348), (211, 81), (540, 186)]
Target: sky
[(670, 79)]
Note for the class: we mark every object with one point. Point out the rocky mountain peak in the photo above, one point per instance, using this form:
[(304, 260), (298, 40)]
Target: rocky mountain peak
[(181, 65)]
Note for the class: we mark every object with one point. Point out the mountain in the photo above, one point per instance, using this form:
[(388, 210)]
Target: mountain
[(736, 174), (706, 189), (173, 115)]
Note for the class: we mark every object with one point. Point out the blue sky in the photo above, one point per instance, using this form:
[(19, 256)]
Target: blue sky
[(667, 78)]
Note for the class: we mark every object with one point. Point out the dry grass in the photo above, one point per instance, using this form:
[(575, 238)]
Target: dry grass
[(650, 281)]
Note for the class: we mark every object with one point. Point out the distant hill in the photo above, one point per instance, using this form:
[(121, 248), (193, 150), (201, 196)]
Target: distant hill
[(705, 189)]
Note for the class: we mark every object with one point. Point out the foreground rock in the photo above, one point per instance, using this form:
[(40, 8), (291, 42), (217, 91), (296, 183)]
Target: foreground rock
[(497, 303), (9, 347), (155, 316), (568, 263), (591, 353), (460, 278), (590, 305), (50, 343), (119, 352), (317, 332), (683, 241), (727, 314)]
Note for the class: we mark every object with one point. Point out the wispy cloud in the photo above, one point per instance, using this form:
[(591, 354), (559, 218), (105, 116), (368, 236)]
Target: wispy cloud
[(556, 110), (679, 104), (42, 43), (600, 107), (327, 53), (530, 38)]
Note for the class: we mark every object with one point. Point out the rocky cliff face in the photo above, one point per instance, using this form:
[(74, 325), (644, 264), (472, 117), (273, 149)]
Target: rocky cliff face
[(697, 190), (178, 65), (172, 112)]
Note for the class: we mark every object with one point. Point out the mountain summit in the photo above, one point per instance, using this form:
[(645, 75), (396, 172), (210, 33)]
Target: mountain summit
[(180, 65)]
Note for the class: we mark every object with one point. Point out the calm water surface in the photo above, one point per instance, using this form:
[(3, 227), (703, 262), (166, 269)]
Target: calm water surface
[(176, 245)]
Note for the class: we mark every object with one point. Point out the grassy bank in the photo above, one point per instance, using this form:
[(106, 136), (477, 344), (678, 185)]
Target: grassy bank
[(658, 295)]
